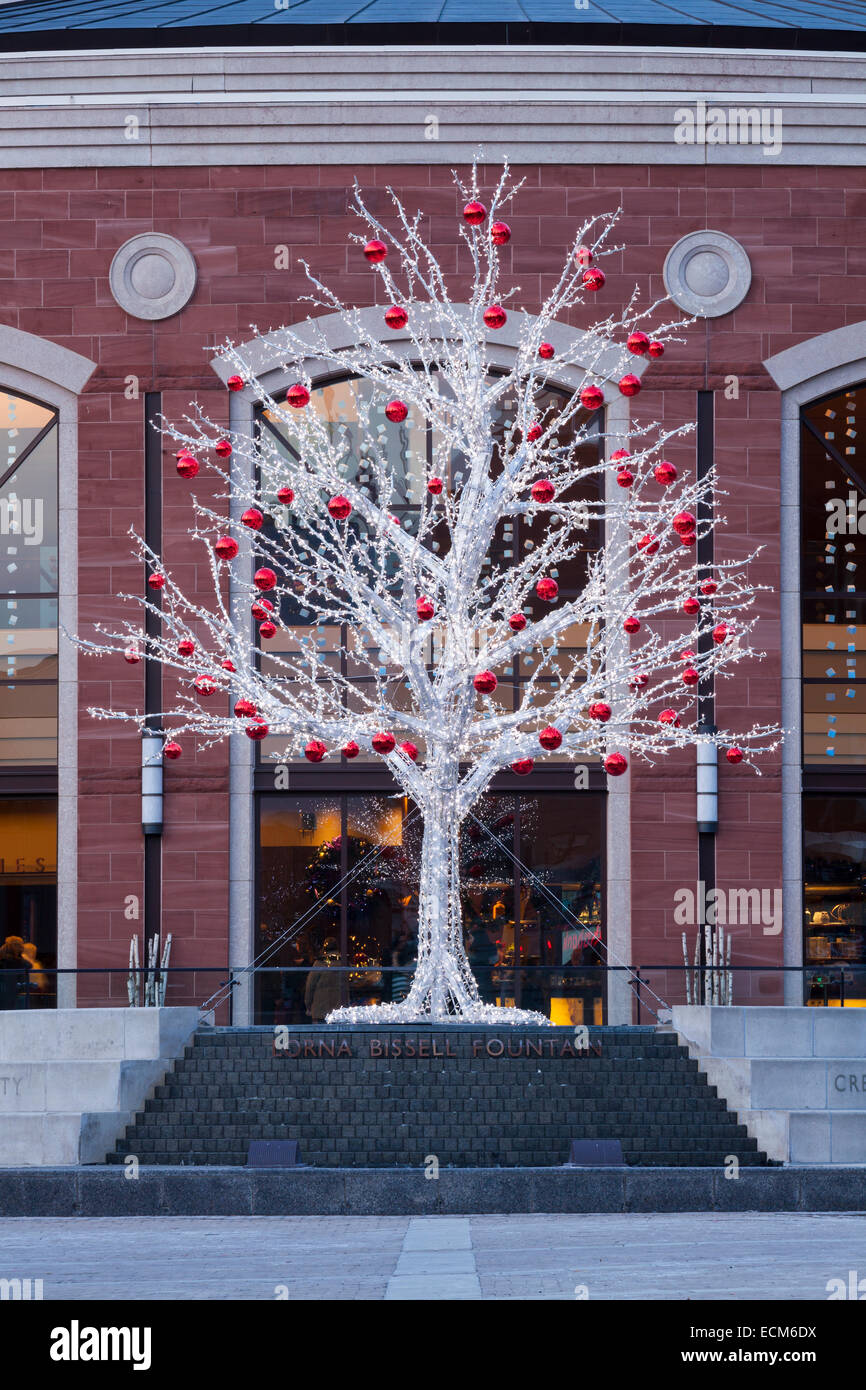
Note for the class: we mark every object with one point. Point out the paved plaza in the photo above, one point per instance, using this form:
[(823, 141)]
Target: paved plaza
[(731, 1256)]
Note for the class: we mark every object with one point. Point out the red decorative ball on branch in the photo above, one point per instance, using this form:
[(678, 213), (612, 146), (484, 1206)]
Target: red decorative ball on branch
[(265, 580), (534, 432), (550, 738), (721, 632), (600, 711), (500, 233), (226, 548), (592, 397), (593, 278), (632, 625), (656, 349), (547, 351), (223, 448), (235, 383), (253, 518), (132, 655), (547, 589), (205, 686), (228, 665), (315, 751), (245, 709), (734, 755), (410, 750), (339, 507), (396, 316), (350, 750), (709, 586), (383, 743), (185, 647), (690, 676), (267, 629), (523, 766), (298, 396), (261, 609), (375, 251), (435, 486), (485, 682), (619, 455), (638, 681), (257, 731), (638, 343), (629, 385), (156, 581), (396, 411), (474, 213), (171, 750), (665, 473), (615, 764), (543, 490), (670, 716), (648, 544), (625, 477), (691, 606), (424, 608), (517, 622), (495, 316), (689, 539), (286, 496), (187, 466), (683, 523), (583, 256)]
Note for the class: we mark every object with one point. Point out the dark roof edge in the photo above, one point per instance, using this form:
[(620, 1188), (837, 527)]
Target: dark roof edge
[(717, 36)]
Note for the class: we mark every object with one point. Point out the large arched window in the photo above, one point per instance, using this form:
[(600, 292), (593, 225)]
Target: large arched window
[(28, 679), (316, 831), (833, 596)]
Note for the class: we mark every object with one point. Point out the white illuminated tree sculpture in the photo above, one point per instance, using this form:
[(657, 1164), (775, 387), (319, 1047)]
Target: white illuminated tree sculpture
[(435, 607)]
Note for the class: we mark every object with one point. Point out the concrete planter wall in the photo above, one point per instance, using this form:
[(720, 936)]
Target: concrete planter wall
[(72, 1079), (795, 1076)]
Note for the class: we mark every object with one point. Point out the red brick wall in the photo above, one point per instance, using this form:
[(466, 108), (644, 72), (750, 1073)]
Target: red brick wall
[(804, 231)]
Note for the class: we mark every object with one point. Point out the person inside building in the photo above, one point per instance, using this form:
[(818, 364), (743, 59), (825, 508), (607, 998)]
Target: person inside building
[(323, 983), (14, 969)]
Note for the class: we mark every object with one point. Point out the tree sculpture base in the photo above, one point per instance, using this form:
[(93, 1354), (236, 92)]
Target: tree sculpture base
[(406, 1012)]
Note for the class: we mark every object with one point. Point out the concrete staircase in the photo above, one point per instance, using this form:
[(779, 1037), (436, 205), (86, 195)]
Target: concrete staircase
[(466, 1109), (796, 1077)]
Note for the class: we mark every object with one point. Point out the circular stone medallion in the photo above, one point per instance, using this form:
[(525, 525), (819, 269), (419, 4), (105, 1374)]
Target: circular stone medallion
[(707, 274), (152, 276)]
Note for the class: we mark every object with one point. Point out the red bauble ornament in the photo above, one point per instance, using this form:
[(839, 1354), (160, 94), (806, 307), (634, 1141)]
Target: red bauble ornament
[(315, 751), (298, 396), (395, 411), (474, 213), (226, 548), (375, 251), (132, 655), (592, 397), (267, 629), (638, 343), (235, 383), (593, 278), (495, 316), (629, 385), (709, 586), (670, 716), (350, 749), (500, 233), (656, 349), (171, 750), (734, 755), (517, 622), (638, 681), (665, 473), (245, 709), (550, 738), (534, 432), (690, 676), (547, 589), (632, 625), (485, 682), (546, 350), (543, 490), (583, 256), (187, 466), (424, 608), (615, 764), (619, 454), (625, 477), (383, 743), (185, 647), (228, 664), (435, 486), (261, 609), (689, 539), (649, 544), (600, 710), (339, 507), (683, 523), (205, 685), (265, 580), (223, 448), (253, 518), (286, 496), (691, 606), (523, 766), (410, 750), (257, 731), (686, 656), (721, 632), (156, 581), (396, 316)]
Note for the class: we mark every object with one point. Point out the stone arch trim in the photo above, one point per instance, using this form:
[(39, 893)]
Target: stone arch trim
[(47, 363)]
